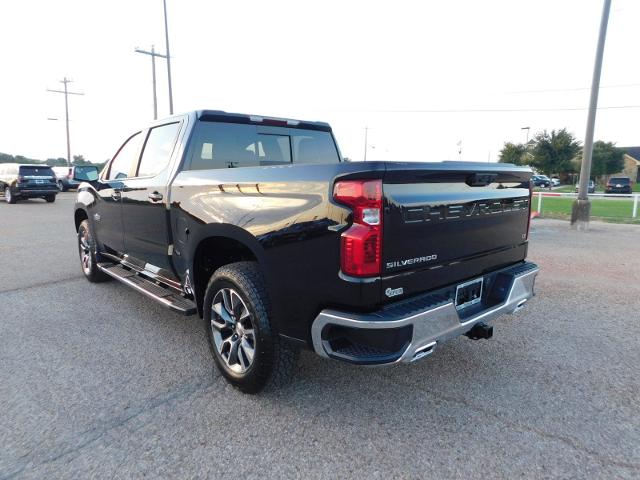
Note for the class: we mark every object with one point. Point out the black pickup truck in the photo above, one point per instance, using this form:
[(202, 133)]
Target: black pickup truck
[(258, 226)]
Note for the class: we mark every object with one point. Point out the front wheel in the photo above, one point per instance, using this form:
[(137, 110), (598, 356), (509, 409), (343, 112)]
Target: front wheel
[(87, 251), (61, 186), (245, 348), (8, 196)]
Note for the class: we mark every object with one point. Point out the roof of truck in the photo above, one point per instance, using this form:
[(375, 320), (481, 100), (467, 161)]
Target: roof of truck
[(222, 116)]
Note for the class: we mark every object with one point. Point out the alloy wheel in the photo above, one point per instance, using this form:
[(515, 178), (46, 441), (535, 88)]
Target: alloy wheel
[(85, 251), (232, 330)]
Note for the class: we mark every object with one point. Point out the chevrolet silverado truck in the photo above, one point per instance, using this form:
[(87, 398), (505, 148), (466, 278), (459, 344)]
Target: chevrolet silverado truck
[(257, 225)]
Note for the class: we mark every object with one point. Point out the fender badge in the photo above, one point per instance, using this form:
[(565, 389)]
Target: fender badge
[(393, 292)]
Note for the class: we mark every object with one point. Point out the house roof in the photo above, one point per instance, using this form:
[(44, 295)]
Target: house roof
[(633, 152)]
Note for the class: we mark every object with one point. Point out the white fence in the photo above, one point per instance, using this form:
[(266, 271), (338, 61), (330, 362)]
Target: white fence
[(618, 196)]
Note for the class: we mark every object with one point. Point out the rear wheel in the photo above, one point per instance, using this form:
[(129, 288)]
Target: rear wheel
[(87, 251), (50, 198), (245, 348), (8, 196)]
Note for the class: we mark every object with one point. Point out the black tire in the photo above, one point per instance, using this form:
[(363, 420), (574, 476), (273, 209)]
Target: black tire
[(50, 198), (273, 359), (87, 253), (8, 197), (61, 186)]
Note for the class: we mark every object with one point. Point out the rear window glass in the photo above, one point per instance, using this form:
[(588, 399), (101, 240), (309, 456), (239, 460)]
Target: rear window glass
[(624, 181), (36, 172), (229, 145)]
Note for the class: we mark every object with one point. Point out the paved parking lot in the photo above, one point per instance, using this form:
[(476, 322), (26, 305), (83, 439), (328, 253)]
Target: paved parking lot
[(97, 381)]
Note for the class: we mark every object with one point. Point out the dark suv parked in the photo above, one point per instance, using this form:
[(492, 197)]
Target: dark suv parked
[(541, 181), (27, 181), (618, 185)]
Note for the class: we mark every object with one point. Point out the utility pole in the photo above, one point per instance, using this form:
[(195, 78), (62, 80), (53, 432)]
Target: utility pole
[(166, 37), (366, 146), (582, 207), (66, 92), (153, 55), (527, 129)]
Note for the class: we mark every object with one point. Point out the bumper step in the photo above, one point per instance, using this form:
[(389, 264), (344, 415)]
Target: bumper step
[(163, 295), (410, 329)]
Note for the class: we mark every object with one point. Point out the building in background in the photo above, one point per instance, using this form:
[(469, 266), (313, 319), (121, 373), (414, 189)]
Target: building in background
[(631, 163)]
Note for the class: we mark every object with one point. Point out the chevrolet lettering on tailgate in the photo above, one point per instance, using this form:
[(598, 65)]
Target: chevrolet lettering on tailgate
[(444, 213)]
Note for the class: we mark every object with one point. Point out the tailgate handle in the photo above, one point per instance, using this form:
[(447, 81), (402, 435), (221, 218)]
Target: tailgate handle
[(481, 179)]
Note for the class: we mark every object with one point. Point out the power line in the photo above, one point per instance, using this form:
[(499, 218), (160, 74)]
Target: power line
[(576, 89), (502, 110), (66, 92), (153, 55)]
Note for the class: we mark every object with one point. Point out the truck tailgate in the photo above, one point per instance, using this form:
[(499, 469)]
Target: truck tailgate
[(451, 221)]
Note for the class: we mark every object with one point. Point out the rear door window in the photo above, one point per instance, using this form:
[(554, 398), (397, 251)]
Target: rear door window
[(158, 149)]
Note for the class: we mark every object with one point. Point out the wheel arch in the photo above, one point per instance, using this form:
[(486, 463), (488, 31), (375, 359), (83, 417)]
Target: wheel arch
[(216, 249), (79, 215)]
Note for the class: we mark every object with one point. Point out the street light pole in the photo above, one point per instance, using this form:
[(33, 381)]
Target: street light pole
[(527, 129), (66, 92), (153, 55), (166, 37), (582, 207), (366, 131)]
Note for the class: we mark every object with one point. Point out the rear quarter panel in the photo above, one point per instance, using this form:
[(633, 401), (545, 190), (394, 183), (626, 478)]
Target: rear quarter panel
[(285, 215)]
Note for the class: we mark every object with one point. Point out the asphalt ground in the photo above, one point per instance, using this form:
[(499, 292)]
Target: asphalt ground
[(96, 381)]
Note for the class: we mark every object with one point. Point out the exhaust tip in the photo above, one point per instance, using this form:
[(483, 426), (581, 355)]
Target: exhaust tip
[(424, 351), (519, 307), (480, 331)]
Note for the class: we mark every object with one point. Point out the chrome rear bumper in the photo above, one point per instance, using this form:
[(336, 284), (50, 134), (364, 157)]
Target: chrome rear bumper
[(437, 322)]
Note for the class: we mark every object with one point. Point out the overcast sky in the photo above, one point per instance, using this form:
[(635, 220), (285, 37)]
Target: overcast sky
[(352, 64)]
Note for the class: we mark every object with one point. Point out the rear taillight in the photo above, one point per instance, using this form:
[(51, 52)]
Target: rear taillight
[(361, 244), (20, 179)]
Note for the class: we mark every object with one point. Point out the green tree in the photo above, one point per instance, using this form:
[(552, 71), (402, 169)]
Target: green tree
[(56, 162), (554, 151), (606, 159), (79, 160), (514, 153)]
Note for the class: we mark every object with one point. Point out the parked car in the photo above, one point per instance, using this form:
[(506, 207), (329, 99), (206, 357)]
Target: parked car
[(256, 225), (618, 185), (591, 189), (65, 175), (20, 182), (541, 181), (555, 182)]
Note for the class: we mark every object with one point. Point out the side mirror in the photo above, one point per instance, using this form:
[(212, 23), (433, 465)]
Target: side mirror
[(85, 174)]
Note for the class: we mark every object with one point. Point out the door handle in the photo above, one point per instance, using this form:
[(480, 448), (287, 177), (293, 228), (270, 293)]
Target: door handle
[(155, 196), (116, 195)]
